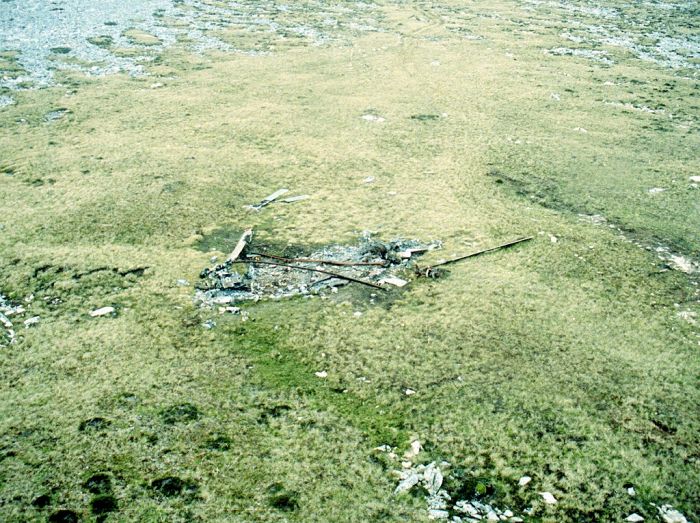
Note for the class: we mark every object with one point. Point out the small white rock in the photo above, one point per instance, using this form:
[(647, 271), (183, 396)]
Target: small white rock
[(631, 491), (634, 518), (670, 515), (492, 516), (438, 514), (656, 190), (553, 238), (393, 280), (103, 311), (416, 447), (31, 321), (407, 483), (321, 374), (695, 179), (548, 498), (369, 179), (409, 392), (524, 481), (357, 314), (508, 513), (372, 118)]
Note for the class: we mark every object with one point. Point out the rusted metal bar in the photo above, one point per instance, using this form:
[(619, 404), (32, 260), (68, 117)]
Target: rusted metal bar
[(324, 262), (311, 269), (460, 258)]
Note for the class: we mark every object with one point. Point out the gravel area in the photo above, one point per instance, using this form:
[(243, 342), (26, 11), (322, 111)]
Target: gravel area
[(121, 35)]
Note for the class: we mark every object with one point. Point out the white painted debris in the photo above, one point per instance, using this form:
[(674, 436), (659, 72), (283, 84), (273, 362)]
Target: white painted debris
[(183, 283), (555, 96), (656, 190), (631, 491), (372, 118), (103, 311), (435, 63), (695, 179), (634, 518), (369, 179), (580, 130), (156, 85), (393, 280), (31, 321), (293, 199), (209, 324), (267, 200), (240, 246), (524, 481), (405, 255), (321, 374), (409, 392), (670, 515), (548, 498), (357, 314), (553, 238)]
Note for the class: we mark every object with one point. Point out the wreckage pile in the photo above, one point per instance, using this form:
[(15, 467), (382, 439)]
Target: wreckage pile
[(429, 479), (370, 262), (7, 330)]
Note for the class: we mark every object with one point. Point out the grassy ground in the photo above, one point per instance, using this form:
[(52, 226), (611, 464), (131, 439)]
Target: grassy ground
[(566, 361)]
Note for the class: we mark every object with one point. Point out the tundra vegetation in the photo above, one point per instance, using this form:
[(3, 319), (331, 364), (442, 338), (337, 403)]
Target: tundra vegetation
[(571, 359)]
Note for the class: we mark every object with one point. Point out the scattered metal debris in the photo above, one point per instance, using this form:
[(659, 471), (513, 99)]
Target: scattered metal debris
[(430, 271), (268, 200), (370, 263), (275, 197)]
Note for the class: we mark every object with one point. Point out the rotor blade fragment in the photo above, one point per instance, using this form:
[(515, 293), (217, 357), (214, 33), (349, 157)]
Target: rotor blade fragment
[(242, 242)]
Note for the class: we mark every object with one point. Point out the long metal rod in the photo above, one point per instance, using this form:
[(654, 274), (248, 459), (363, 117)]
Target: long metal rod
[(460, 258), (311, 260), (334, 274)]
